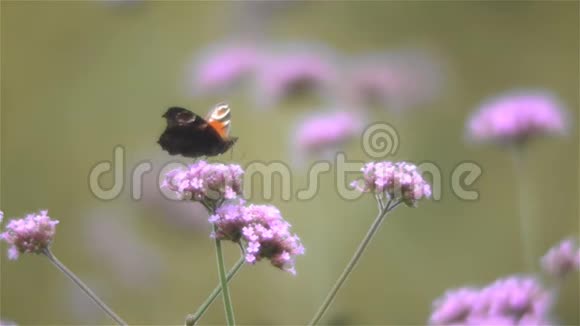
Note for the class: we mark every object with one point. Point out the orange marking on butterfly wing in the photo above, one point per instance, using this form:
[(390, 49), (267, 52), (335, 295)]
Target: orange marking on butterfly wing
[(219, 119), (220, 127)]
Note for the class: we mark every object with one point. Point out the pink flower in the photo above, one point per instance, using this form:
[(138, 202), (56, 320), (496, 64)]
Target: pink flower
[(230, 221), (516, 297), (225, 67), (325, 131), (291, 74), (562, 259), (517, 117), (394, 80), (400, 181), (454, 307), (204, 182), (31, 234), (494, 321), (263, 230), (509, 301)]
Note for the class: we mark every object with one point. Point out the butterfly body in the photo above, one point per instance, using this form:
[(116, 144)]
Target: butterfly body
[(190, 135)]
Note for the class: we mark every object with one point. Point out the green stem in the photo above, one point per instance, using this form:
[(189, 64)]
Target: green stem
[(192, 319), (525, 222), (383, 211), (223, 281), (83, 287)]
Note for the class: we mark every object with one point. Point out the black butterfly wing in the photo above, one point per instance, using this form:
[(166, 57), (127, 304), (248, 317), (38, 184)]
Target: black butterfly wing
[(192, 139)]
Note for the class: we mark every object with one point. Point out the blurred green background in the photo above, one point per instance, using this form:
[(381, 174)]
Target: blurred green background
[(79, 78)]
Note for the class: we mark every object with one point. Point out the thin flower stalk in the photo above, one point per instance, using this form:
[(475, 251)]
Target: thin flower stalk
[(194, 318), (58, 264), (33, 234), (223, 280), (383, 212), (210, 185), (259, 230), (526, 234), (391, 184), (229, 310), (512, 120)]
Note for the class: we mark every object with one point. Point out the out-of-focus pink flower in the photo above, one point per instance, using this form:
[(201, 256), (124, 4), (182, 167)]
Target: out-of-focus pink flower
[(263, 230), (287, 74), (395, 81), (516, 297), (494, 321), (509, 301), (204, 182), (400, 181), (454, 306), (31, 234), (562, 259), (225, 67), (516, 117), (326, 131)]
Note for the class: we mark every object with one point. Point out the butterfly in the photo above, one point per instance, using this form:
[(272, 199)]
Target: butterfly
[(190, 135)]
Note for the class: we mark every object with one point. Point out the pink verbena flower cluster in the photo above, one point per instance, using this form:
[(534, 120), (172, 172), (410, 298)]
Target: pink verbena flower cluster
[(283, 76), (516, 117), (204, 182), (31, 234), (562, 259), (400, 181), (225, 67), (509, 301), (263, 230), (326, 130), (259, 228), (397, 80)]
